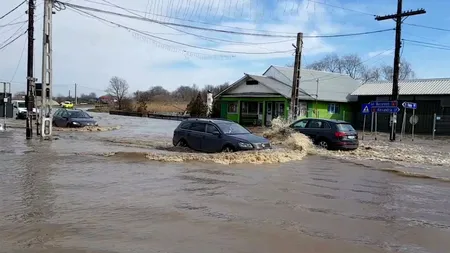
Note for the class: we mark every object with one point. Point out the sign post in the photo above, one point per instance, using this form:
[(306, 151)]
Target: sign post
[(365, 109), (403, 124), (413, 120), (434, 125), (385, 107)]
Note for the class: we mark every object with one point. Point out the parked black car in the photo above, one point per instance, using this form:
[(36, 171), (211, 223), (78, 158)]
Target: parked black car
[(72, 118), (217, 135), (329, 134)]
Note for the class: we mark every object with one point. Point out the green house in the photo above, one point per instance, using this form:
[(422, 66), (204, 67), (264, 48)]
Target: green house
[(257, 99)]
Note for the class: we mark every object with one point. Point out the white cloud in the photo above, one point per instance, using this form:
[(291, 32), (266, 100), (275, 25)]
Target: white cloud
[(90, 52)]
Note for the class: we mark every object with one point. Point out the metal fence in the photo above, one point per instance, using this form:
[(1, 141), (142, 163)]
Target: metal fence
[(426, 123)]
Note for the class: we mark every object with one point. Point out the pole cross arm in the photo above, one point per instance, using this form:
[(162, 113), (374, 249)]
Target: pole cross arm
[(403, 14)]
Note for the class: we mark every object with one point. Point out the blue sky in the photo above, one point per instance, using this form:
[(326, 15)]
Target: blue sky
[(89, 52)]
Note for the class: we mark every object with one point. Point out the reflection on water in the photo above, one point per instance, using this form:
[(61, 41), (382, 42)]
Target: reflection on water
[(62, 196)]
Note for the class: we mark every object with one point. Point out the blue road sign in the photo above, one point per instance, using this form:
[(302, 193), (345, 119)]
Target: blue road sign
[(383, 103), (409, 105), (366, 108), (386, 109)]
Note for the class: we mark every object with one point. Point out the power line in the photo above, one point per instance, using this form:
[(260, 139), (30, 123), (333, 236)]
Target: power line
[(13, 9), (342, 8), (16, 38), (213, 29), (427, 43), (201, 36), (20, 60), (11, 24), (428, 27), (180, 43)]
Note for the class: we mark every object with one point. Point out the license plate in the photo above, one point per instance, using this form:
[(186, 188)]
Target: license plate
[(351, 137)]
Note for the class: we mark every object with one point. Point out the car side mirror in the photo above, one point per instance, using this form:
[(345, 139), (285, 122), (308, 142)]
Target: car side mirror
[(216, 133)]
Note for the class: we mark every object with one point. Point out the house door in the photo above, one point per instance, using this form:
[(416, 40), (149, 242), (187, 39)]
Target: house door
[(278, 111), (269, 113), (260, 113), (303, 109)]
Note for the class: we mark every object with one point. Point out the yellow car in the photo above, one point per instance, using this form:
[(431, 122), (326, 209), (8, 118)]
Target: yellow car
[(67, 105)]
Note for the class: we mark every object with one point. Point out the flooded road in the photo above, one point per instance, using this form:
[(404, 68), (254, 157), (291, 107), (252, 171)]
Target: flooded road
[(65, 196)]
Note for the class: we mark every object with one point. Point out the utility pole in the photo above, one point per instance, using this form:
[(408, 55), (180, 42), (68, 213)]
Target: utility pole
[(29, 98), (296, 77), (398, 17), (47, 72), (76, 99), (5, 103)]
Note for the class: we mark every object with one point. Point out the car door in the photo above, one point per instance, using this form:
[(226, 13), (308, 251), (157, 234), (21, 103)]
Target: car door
[(63, 119), (315, 128), (212, 141), (195, 135), (57, 118), (300, 126)]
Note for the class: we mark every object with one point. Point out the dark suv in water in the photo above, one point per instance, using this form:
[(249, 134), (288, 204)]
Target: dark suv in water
[(329, 134), (216, 135)]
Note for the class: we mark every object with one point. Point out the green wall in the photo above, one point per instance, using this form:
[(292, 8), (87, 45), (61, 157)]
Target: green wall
[(345, 111)]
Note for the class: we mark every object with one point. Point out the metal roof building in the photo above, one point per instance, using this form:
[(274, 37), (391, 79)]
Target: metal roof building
[(327, 85), (436, 86)]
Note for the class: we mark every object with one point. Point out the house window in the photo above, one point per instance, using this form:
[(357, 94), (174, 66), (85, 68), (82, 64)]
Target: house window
[(232, 107), (249, 108), (333, 108)]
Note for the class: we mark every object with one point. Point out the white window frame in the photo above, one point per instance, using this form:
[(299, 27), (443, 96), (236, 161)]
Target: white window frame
[(332, 108)]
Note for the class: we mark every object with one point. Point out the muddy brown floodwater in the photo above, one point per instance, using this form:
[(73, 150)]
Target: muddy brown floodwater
[(118, 191)]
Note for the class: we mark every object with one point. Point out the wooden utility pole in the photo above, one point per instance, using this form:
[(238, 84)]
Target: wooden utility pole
[(29, 98), (296, 77), (398, 17)]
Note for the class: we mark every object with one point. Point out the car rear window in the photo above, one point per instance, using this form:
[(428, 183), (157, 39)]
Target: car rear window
[(345, 127)]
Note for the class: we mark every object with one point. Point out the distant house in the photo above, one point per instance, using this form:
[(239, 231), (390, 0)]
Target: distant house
[(431, 95), (257, 99)]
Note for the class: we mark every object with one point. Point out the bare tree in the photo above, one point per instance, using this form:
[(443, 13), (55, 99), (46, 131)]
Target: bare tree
[(406, 72), (118, 88), (353, 66)]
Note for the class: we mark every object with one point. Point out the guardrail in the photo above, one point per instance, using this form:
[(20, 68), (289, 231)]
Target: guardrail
[(150, 115)]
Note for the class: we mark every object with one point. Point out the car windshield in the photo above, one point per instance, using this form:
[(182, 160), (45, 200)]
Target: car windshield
[(21, 105), (232, 128), (345, 127), (78, 114)]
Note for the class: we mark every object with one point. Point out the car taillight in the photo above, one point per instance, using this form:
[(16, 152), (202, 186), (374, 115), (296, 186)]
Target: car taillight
[(339, 134)]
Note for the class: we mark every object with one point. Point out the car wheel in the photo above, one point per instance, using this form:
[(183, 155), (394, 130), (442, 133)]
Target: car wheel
[(182, 143), (323, 144), (228, 149)]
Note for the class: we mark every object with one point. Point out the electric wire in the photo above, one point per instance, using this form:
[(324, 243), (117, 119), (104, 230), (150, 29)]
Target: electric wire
[(342, 8), (218, 30), (428, 27), (204, 37), (12, 41), (14, 23), (427, 43), (177, 42), (12, 10), (20, 60)]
